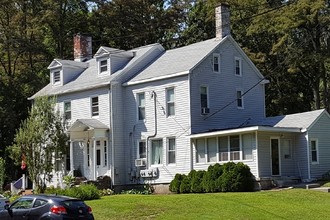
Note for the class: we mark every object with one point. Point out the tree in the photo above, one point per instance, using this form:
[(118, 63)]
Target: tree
[(39, 141)]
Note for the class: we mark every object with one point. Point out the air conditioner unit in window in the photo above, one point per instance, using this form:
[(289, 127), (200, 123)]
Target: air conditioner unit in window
[(205, 111), (140, 162)]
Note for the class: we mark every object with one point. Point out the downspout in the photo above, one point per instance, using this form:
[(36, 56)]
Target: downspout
[(154, 96), (112, 167)]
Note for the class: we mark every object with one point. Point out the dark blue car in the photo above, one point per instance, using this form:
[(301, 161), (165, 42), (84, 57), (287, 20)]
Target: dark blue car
[(50, 207)]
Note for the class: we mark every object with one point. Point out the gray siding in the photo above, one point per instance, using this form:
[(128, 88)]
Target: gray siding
[(320, 131), (116, 63), (300, 153), (177, 126), (222, 91)]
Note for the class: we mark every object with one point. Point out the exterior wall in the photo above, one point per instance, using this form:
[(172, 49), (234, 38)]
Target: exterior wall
[(70, 73), (177, 126), (320, 131), (222, 91), (288, 166), (300, 152), (81, 104)]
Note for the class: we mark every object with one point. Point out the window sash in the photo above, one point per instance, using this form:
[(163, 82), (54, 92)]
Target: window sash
[(204, 102), (170, 102), (238, 67), (142, 149), (212, 150), (314, 151), (234, 147), (105, 155), (200, 151), (103, 66), (171, 150), (141, 106), (239, 99), (98, 157), (67, 110), (247, 146), (216, 63)]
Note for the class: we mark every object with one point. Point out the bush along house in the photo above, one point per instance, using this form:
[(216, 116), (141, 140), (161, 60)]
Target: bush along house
[(143, 115)]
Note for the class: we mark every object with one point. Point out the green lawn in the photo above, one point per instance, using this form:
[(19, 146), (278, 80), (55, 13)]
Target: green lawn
[(285, 204)]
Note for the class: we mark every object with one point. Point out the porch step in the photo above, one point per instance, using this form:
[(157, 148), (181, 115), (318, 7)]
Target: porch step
[(313, 186)]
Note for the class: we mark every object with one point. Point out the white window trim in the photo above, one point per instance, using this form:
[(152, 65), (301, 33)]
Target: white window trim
[(98, 105), (167, 150), (150, 153), (168, 102), (99, 66), (218, 56), (242, 99), (317, 151), (240, 66)]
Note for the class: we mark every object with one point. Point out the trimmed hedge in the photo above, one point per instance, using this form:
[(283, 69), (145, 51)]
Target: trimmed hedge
[(229, 177), (83, 192)]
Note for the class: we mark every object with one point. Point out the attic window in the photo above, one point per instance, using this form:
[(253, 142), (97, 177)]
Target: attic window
[(103, 66), (216, 63), (56, 77)]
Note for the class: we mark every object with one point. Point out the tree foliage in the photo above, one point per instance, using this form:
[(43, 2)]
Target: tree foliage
[(39, 141)]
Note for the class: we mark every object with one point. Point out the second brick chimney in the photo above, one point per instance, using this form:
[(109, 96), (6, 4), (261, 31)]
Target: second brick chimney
[(82, 48), (222, 21)]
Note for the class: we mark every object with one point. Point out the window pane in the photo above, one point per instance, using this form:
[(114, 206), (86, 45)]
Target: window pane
[(157, 152), (212, 150), (105, 156), (286, 148), (141, 106), (200, 151), (314, 151), (204, 97), (234, 147), (67, 110), (98, 157), (223, 148), (238, 67), (57, 76), (170, 102), (216, 63), (95, 106), (239, 99), (103, 66), (247, 145)]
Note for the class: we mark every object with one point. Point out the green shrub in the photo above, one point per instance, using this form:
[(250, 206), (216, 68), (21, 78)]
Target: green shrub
[(196, 178), (83, 192), (209, 181), (185, 184), (175, 183)]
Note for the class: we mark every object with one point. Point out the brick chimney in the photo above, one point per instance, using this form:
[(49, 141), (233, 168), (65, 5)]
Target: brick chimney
[(222, 21), (82, 48)]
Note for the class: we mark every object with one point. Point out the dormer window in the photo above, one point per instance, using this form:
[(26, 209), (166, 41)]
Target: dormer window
[(103, 64)]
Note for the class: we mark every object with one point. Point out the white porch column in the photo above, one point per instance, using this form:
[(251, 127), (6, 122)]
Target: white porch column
[(94, 159), (71, 156)]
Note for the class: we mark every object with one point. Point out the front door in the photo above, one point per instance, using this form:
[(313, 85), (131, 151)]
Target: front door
[(275, 156), (101, 158)]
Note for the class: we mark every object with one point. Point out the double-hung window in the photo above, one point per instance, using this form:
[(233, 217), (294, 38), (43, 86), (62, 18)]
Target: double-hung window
[(216, 62), (95, 106), (141, 106), (204, 100), (171, 150), (67, 110), (170, 106), (314, 151), (142, 150), (238, 66), (239, 98), (156, 152)]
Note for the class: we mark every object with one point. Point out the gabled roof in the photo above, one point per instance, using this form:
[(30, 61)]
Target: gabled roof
[(87, 124), (183, 60), (113, 51), (90, 78)]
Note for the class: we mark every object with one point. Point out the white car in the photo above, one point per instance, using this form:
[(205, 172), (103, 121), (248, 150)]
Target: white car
[(3, 202)]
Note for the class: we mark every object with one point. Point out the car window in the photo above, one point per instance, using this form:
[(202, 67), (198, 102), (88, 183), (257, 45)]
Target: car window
[(74, 203), (39, 202), (22, 203)]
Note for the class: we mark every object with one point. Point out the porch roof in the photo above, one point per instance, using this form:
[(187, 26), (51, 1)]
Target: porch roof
[(87, 124), (246, 129)]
